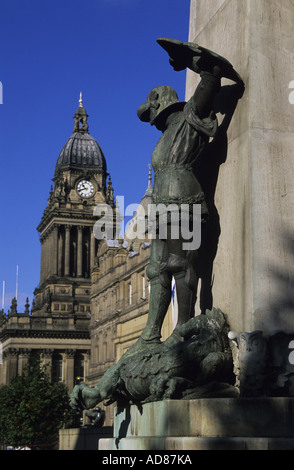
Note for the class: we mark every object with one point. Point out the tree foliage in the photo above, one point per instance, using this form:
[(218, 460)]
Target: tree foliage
[(33, 409)]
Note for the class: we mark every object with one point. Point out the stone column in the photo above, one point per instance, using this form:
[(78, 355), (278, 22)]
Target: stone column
[(10, 357), (60, 252), (48, 255), (80, 252), (54, 250), (69, 368), (92, 250), (42, 276), (46, 267), (87, 357), (49, 252), (46, 361), (253, 267), (23, 359), (67, 251)]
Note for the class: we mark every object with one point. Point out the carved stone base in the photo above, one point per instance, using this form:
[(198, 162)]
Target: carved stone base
[(205, 424)]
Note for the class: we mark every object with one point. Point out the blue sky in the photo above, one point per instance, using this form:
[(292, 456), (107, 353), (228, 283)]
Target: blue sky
[(49, 52)]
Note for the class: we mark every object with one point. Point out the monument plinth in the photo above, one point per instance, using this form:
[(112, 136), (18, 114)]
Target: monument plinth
[(254, 196), (204, 424)]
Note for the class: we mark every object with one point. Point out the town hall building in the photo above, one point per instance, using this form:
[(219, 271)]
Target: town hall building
[(92, 300), (57, 327)]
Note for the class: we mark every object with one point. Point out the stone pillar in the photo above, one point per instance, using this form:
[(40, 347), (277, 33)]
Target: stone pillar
[(10, 357), (69, 369), (49, 252), (46, 256), (253, 267), (42, 240), (23, 360), (54, 250), (46, 361), (87, 357), (92, 250), (67, 251), (60, 252), (80, 252)]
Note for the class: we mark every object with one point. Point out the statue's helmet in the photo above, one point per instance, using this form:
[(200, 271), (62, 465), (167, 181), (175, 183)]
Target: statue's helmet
[(160, 99)]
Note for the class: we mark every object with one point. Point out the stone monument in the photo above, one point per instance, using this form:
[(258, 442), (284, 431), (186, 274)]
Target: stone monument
[(252, 193)]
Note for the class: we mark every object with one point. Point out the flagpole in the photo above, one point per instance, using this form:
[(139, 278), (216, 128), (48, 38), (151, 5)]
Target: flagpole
[(16, 290), (3, 294)]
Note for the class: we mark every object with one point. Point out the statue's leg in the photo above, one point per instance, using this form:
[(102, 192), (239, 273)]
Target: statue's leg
[(186, 296), (181, 266), (85, 397), (89, 397), (160, 292)]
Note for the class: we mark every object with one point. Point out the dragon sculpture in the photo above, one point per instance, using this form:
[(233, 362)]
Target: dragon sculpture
[(198, 363)]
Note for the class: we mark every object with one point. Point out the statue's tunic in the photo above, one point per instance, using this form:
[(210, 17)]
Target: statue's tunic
[(177, 155)]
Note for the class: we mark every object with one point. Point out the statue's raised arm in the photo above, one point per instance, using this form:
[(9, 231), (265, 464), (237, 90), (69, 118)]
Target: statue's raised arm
[(209, 65), (197, 58)]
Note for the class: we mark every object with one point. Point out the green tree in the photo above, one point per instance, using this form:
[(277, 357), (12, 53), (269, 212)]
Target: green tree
[(33, 409)]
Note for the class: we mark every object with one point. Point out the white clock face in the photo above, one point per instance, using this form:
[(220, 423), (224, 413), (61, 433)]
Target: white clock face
[(85, 188)]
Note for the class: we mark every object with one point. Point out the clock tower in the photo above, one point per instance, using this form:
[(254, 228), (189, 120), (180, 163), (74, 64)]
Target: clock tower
[(68, 245)]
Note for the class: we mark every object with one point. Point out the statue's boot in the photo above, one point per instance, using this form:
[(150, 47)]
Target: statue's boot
[(160, 297), (186, 298)]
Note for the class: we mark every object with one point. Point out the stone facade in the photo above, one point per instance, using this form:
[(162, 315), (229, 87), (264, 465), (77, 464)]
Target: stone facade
[(63, 346), (119, 300)]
